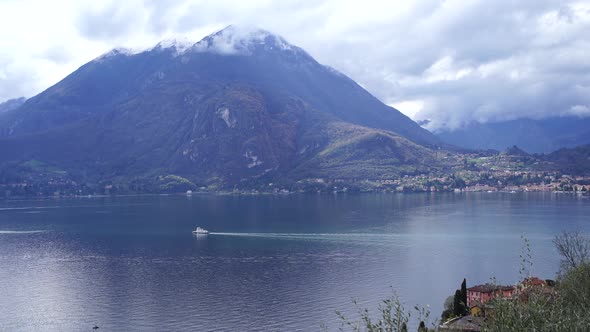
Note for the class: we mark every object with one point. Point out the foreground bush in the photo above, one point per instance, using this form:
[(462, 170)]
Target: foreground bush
[(567, 309), (391, 317)]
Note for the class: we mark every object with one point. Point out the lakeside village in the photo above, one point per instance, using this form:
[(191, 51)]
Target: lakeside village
[(470, 308), (503, 181), (462, 173), (467, 181)]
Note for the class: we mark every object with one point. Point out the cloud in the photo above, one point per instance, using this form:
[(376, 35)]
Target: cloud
[(238, 40), (580, 110), (109, 22), (450, 62)]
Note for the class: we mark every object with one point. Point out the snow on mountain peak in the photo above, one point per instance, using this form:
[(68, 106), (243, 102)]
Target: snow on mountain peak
[(180, 45), (115, 52), (241, 40), (233, 40)]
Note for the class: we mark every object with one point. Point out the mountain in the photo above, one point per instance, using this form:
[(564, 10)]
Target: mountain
[(515, 151), (534, 136), (12, 104), (240, 105), (573, 160)]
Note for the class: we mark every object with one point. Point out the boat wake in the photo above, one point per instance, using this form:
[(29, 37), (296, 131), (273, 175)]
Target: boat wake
[(22, 232), (29, 208), (373, 238), (290, 234)]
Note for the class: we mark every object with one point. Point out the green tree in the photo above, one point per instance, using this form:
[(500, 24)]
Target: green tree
[(563, 308), (448, 310), (422, 327), (464, 293), (458, 307), (391, 317), (574, 288)]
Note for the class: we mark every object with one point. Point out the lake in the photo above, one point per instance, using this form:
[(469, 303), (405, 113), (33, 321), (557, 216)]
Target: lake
[(272, 263)]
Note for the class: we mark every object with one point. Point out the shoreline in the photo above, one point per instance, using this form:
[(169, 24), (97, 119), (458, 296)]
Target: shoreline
[(290, 193)]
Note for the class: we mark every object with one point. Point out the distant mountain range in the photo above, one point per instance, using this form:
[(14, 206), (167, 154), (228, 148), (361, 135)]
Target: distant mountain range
[(571, 160), (533, 136), (240, 105)]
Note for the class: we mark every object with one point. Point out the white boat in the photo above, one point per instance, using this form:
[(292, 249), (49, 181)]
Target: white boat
[(200, 230)]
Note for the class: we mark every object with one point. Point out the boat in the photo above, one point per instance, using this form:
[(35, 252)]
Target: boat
[(200, 231)]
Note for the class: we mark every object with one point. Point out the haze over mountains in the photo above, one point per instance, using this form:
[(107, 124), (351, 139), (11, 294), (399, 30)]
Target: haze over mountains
[(240, 104), (534, 136)]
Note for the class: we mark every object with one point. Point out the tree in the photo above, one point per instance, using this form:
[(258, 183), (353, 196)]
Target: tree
[(464, 293), (404, 327), (565, 308), (422, 327), (392, 316), (448, 310), (458, 307), (574, 249), (460, 300), (574, 288)]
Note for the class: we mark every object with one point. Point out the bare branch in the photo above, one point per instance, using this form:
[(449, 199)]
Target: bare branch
[(574, 249)]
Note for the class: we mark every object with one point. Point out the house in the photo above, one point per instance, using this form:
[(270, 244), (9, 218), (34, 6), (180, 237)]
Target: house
[(534, 286), (463, 324), (481, 294), (481, 309), (533, 282)]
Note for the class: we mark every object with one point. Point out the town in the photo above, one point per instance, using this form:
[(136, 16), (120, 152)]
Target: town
[(510, 171)]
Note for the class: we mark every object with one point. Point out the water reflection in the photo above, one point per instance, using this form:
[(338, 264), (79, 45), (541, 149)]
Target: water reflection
[(271, 263)]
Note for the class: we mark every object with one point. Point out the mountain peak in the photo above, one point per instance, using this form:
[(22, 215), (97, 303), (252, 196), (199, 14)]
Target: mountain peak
[(515, 151), (180, 45), (243, 40), (232, 40), (115, 52), (241, 106)]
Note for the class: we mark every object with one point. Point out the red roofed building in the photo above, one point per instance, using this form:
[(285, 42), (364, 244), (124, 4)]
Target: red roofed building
[(483, 293), (533, 282), (534, 285)]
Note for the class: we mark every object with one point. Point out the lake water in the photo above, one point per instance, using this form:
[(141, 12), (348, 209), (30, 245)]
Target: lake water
[(274, 263)]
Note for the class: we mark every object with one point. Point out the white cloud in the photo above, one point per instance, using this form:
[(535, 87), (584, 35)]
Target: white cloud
[(452, 62), (409, 107), (237, 40), (580, 110)]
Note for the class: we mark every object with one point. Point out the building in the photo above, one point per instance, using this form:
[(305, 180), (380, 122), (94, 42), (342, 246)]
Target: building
[(481, 294), (533, 282), (463, 324), (481, 310), (534, 286)]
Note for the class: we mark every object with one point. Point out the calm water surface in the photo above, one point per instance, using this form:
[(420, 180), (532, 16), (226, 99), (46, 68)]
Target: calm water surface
[(274, 263)]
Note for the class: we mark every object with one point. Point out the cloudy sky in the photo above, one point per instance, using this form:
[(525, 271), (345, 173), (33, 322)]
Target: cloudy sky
[(449, 61)]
